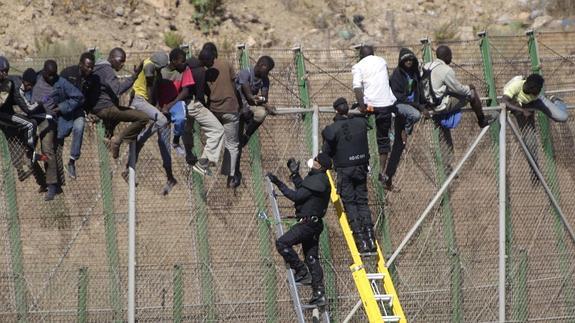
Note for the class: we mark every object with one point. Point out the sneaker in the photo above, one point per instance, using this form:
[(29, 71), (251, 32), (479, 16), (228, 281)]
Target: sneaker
[(180, 151), (202, 167), (36, 157), (169, 186), (71, 170), (302, 277), (488, 119), (42, 189), (234, 181), (318, 298), (191, 159)]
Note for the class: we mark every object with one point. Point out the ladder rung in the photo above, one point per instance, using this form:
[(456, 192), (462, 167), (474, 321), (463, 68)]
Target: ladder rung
[(385, 298), (376, 276), (391, 318), (308, 307)]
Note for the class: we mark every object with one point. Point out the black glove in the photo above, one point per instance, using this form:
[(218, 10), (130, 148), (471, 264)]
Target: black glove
[(273, 178), (293, 165)]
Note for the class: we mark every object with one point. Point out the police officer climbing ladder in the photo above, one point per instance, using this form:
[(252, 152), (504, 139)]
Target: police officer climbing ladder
[(346, 142)]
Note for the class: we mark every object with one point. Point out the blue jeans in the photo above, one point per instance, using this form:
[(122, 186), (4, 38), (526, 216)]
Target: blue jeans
[(409, 114), (77, 138), (161, 126)]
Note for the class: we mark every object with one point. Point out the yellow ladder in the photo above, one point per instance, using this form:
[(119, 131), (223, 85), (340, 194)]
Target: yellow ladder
[(379, 305)]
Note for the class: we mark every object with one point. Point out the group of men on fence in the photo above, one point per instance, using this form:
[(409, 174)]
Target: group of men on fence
[(229, 108), (432, 91), (163, 89)]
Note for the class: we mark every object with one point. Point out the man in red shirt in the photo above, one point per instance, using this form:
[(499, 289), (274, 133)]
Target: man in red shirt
[(175, 86)]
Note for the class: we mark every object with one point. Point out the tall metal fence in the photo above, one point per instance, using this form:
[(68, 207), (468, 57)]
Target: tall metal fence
[(206, 253)]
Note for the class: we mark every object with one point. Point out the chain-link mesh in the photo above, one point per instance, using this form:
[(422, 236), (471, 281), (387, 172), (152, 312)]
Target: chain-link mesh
[(206, 252)]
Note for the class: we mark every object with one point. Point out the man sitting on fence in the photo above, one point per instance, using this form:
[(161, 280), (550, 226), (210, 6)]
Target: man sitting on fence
[(311, 198), (405, 86), (9, 96), (63, 102), (145, 91), (223, 103), (82, 78), (174, 87), (374, 95), (253, 86), (107, 106)]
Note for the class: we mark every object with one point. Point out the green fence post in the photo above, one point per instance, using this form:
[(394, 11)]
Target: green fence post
[(13, 225), (551, 172), (207, 283), (82, 315), (448, 223), (325, 248), (109, 219), (268, 267), (178, 288)]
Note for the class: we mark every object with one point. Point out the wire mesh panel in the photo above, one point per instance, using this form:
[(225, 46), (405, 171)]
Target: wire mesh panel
[(205, 252)]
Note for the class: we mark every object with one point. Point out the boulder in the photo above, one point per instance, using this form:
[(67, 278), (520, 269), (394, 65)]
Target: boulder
[(541, 21), (119, 11)]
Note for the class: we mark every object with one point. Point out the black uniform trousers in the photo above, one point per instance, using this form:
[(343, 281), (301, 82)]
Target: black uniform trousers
[(307, 233), (352, 188)]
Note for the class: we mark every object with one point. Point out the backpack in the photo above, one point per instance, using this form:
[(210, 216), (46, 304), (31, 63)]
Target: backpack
[(429, 96)]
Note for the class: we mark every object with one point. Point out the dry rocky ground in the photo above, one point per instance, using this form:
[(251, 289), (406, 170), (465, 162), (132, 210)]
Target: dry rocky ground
[(58, 27)]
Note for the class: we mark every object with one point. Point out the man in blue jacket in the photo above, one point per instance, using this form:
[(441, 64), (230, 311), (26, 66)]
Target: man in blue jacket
[(63, 101)]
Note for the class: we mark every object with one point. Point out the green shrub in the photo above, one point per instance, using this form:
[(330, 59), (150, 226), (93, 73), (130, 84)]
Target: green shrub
[(173, 39), (45, 47)]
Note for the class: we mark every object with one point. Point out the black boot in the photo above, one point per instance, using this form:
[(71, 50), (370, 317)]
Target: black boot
[(318, 298), (370, 240), (302, 276), (361, 243)]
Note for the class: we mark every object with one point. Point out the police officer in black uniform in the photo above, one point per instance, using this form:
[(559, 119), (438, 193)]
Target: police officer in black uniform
[(346, 142), (311, 199)]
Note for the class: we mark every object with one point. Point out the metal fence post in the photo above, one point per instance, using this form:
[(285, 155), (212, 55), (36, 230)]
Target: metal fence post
[(448, 222), (178, 288), (82, 295), (132, 235), (551, 167), (267, 265), (487, 64), (502, 216), (311, 124), (13, 225)]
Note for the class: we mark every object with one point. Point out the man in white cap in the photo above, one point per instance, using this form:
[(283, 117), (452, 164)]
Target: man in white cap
[(145, 92)]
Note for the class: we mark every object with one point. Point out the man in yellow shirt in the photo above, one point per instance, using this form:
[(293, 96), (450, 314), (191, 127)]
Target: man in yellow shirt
[(145, 91), (523, 96)]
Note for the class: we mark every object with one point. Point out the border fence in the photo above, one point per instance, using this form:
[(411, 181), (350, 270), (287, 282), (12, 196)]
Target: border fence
[(206, 253)]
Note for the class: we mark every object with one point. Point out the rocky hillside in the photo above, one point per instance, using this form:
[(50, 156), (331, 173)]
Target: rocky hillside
[(56, 27)]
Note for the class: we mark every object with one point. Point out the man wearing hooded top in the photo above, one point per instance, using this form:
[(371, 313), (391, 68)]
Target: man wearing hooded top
[(311, 198), (345, 140), (405, 86), (63, 101), (107, 106)]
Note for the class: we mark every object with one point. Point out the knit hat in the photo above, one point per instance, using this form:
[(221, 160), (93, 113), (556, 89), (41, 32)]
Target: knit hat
[(30, 76), (160, 59), (4, 65), (324, 160)]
